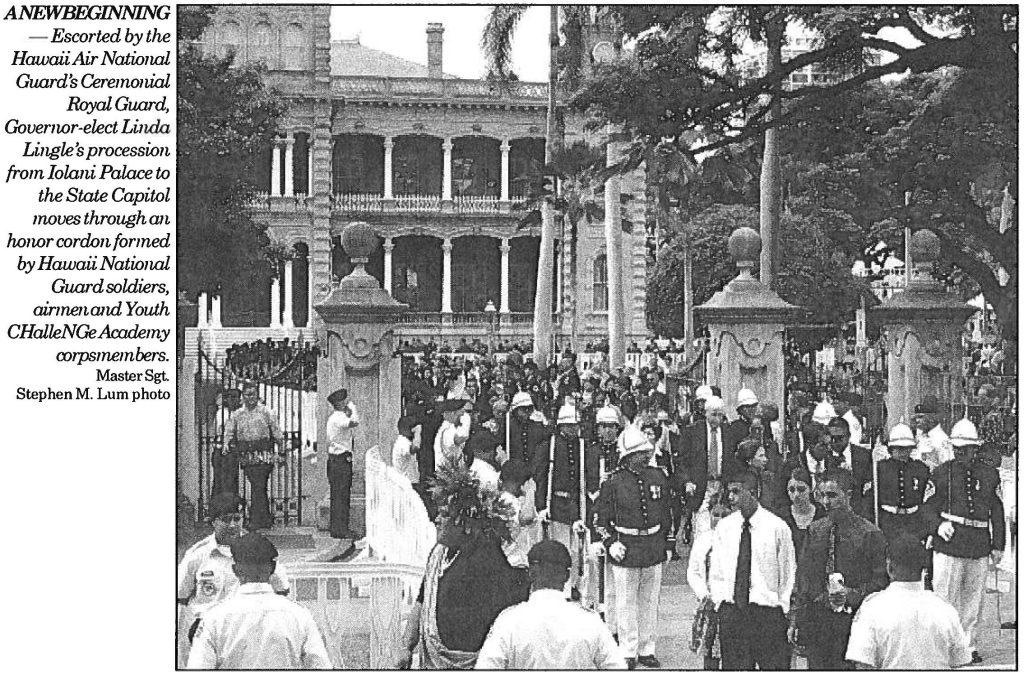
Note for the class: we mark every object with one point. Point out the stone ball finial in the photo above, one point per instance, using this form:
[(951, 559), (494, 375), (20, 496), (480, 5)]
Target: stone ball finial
[(924, 246), (745, 245), (359, 240)]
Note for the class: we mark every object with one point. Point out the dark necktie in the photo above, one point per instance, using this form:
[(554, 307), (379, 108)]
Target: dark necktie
[(830, 562), (716, 463), (741, 592)]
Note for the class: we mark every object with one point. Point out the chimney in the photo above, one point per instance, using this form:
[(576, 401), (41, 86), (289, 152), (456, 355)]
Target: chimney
[(435, 42)]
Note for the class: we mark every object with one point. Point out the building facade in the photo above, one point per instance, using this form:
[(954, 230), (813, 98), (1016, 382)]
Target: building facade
[(436, 164)]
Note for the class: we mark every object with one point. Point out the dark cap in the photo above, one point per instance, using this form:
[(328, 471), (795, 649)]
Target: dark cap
[(224, 503), (853, 399), (337, 396), (253, 548), (550, 551), (926, 407)]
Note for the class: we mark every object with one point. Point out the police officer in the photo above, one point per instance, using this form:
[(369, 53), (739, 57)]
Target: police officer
[(569, 477), (526, 437), (903, 485), (256, 628), (633, 518), (967, 515)]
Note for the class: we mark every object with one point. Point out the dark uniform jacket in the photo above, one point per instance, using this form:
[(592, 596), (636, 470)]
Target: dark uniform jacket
[(967, 493), (523, 442), (863, 501), (630, 506), (565, 479), (859, 556), (901, 495)]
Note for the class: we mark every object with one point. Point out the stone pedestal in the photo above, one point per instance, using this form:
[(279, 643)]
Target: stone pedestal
[(924, 337), (359, 318), (747, 322)]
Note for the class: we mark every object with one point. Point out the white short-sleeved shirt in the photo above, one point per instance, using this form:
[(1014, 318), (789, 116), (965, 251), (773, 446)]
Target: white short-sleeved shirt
[(341, 431), (549, 632), (257, 629), (205, 575), (906, 627)]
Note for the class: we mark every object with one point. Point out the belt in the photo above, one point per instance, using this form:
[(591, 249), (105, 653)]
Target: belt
[(973, 523), (562, 494), (893, 509), (339, 453), (639, 531)]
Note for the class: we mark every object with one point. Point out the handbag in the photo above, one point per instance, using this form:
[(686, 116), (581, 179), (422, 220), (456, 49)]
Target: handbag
[(705, 627)]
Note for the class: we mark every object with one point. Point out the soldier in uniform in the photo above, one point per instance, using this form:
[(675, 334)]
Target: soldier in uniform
[(902, 487), (525, 436), (569, 476), (746, 408), (967, 516), (633, 518)]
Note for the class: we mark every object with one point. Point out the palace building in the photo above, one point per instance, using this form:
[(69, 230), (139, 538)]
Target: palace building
[(434, 163)]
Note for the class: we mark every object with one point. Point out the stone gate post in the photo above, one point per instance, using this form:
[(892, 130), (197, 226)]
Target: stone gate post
[(747, 322), (924, 337), (359, 318)]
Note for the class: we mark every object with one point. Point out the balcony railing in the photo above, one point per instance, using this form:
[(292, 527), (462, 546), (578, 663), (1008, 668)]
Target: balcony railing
[(470, 318), (361, 203), (376, 88), (262, 201)]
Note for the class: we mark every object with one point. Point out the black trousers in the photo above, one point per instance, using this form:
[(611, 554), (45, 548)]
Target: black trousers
[(225, 473), (339, 476), (826, 635), (753, 636), (259, 501)]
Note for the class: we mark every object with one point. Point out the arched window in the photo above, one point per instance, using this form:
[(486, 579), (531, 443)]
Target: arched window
[(601, 283), (295, 52), (230, 39), (263, 47)]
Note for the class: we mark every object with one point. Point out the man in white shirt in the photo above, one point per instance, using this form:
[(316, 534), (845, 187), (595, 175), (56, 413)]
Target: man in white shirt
[(752, 574), (256, 628), (450, 442), (905, 627), (403, 451), (206, 575), (548, 631), (340, 446)]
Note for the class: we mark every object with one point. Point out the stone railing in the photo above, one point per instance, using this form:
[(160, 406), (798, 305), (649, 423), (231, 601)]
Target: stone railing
[(262, 201), (376, 88), (360, 607), (398, 529), (360, 203)]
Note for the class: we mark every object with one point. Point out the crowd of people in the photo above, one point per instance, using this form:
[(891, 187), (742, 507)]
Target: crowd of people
[(561, 493)]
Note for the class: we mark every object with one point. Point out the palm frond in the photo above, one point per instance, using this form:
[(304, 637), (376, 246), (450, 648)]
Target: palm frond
[(496, 40)]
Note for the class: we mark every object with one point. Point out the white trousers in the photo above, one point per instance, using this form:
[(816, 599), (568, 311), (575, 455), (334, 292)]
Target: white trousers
[(962, 583), (637, 592)]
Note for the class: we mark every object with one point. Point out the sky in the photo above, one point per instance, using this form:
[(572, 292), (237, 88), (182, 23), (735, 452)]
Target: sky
[(401, 30)]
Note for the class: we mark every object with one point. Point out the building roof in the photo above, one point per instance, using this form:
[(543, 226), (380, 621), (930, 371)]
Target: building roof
[(350, 59)]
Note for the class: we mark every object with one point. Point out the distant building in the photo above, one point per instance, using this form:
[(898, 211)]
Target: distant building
[(434, 163)]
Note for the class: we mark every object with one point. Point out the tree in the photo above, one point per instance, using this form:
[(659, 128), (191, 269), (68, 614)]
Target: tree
[(497, 45), (685, 77), (813, 273), (226, 118)]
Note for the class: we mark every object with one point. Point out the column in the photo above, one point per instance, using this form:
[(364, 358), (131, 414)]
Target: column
[(203, 320), (289, 322), (558, 277), (275, 168), (309, 296), (506, 249), (389, 247), (289, 166), (215, 313), (506, 179), (309, 168), (446, 184), (389, 189), (275, 303), (446, 281)]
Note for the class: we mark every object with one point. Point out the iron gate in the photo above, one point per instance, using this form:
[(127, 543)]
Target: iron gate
[(285, 376)]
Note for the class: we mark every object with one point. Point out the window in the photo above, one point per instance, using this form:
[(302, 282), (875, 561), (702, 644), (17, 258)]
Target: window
[(295, 53), (230, 39), (263, 47), (601, 283)]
